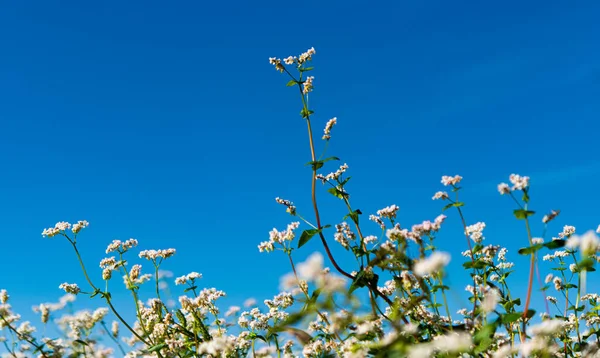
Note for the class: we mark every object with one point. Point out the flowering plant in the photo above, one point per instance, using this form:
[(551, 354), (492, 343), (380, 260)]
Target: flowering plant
[(393, 303)]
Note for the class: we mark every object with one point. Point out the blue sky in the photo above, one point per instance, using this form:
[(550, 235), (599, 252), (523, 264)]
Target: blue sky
[(166, 123)]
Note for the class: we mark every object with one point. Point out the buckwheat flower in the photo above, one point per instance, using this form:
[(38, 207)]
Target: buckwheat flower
[(548, 278), (70, 288), (4, 296), (475, 231), (277, 63), (308, 84), (335, 175), (502, 254), (232, 310), (311, 268), (440, 195), (558, 283), (266, 246), (107, 273), (289, 60), (45, 313), (573, 268), (156, 254), (548, 327), (537, 240), (449, 180), (598, 230), (114, 329), (377, 220), (249, 302), (503, 188), (328, 126), (504, 351), (395, 234), (370, 239), (505, 265), (113, 246), (80, 225), (551, 299), (452, 342), (135, 272), (549, 217), (432, 264), (291, 209), (388, 212), (588, 243), (25, 328), (50, 232), (568, 230), (129, 244), (519, 182), (490, 300), (306, 56)]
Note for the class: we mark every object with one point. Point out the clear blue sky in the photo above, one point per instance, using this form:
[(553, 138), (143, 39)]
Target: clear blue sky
[(166, 123)]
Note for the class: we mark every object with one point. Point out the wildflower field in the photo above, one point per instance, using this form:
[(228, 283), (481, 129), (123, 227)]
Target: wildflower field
[(394, 301)]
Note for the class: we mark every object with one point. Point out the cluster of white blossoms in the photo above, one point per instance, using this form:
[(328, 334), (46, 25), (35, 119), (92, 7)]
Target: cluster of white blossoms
[(475, 232), (433, 264), (157, 254), (334, 175), (389, 212), (328, 126), (62, 226), (291, 209), (279, 237), (451, 180), (121, 247), (189, 278)]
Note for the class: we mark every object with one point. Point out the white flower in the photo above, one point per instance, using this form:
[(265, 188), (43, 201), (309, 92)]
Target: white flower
[(311, 268), (490, 300), (449, 180), (519, 182), (434, 263)]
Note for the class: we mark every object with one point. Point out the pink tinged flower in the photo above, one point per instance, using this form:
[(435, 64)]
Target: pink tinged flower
[(440, 195), (389, 212), (519, 182), (451, 180), (432, 264), (311, 268), (503, 188)]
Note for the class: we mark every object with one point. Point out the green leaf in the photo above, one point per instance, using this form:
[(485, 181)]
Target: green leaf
[(530, 250), (475, 265), (190, 288), (511, 317), (306, 236), (555, 244), (353, 215), (453, 205), (157, 347), (585, 264), (305, 113), (337, 193), (292, 83), (525, 195), (318, 164), (359, 281), (523, 214)]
